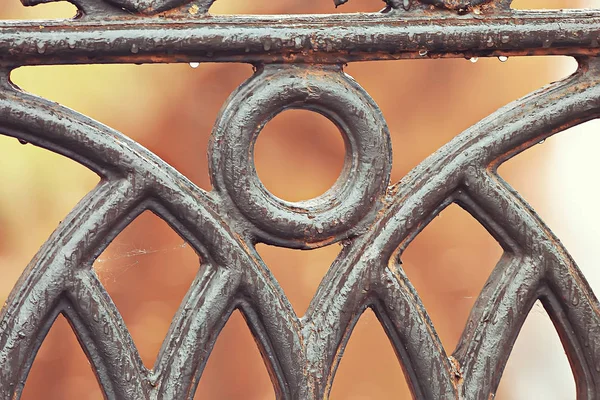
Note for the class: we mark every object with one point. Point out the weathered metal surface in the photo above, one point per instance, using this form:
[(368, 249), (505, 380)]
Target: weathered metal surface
[(298, 61), (298, 39)]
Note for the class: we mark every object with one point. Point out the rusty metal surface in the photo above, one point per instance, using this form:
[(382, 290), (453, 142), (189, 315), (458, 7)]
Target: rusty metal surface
[(299, 39), (299, 64)]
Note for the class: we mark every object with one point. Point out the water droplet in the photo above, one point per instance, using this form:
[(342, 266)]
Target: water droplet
[(41, 48), (267, 45), (23, 141), (194, 65), (298, 42), (319, 227), (134, 48), (503, 58), (542, 141), (71, 43), (474, 59), (423, 52)]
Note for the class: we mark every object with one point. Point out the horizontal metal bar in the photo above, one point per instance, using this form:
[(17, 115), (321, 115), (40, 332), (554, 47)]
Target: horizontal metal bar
[(339, 38)]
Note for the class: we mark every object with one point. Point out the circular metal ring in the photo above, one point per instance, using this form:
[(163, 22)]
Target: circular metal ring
[(350, 203)]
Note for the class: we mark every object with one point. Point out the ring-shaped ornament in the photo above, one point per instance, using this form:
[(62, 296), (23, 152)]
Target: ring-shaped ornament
[(351, 203)]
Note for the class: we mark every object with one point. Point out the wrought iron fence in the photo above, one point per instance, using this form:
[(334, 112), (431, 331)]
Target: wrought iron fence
[(299, 64)]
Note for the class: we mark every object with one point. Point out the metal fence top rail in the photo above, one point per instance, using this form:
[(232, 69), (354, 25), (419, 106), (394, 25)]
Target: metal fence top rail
[(119, 37)]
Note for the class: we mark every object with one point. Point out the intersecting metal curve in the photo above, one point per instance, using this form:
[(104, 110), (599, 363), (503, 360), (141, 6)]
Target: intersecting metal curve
[(298, 67)]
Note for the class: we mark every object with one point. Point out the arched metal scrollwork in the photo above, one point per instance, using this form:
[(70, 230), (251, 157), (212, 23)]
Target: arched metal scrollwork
[(299, 64)]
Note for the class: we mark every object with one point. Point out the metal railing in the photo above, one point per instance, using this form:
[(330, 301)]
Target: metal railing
[(299, 64)]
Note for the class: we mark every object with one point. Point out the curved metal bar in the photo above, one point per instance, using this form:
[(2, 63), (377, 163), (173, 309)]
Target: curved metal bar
[(50, 274), (105, 332), (412, 335), (504, 133), (193, 333), (352, 284), (549, 274), (575, 311), (272, 319), (433, 181), (508, 295), (184, 206)]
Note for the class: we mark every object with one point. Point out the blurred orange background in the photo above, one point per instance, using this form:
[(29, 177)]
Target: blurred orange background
[(170, 109)]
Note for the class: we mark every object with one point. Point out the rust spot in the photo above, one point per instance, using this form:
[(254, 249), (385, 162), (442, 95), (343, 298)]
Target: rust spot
[(194, 10)]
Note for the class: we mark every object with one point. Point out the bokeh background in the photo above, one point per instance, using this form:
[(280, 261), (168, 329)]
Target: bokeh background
[(170, 109)]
